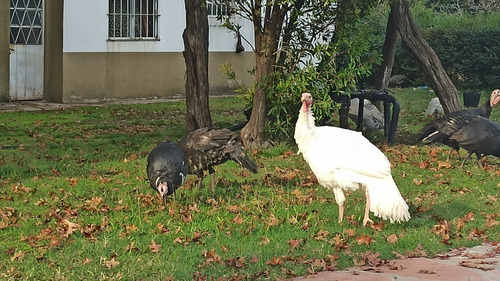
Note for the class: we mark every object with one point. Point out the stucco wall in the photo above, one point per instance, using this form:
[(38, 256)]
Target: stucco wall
[(4, 52), (93, 77)]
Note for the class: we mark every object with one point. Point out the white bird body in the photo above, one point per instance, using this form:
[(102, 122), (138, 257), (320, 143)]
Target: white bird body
[(373, 119), (434, 108), (345, 160)]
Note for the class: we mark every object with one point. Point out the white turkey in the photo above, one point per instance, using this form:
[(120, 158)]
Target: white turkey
[(434, 109), (373, 119), (207, 147), (344, 160), (166, 168)]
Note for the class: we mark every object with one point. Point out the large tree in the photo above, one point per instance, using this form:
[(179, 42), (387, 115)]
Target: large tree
[(285, 34), (400, 19), (196, 57)]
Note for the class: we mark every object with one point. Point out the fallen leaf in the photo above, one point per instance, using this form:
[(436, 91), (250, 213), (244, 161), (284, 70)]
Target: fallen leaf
[(237, 219), (131, 247), (392, 238), (111, 263), (294, 243), (275, 261), (417, 182), (69, 228), (426, 271), (264, 241), (87, 261), (362, 239), (155, 248)]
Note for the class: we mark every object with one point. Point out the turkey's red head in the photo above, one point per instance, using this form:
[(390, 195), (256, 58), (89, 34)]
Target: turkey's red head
[(495, 97), (306, 101)]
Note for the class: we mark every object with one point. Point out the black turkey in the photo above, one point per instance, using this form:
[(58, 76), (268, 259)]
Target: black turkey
[(166, 168), (484, 111), (207, 147), (474, 133)]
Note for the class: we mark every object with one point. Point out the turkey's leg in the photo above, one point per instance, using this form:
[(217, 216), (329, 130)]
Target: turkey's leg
[(212, 176), (341, 211), (213, 181), (466, 157), (367, 208), (200, 179)]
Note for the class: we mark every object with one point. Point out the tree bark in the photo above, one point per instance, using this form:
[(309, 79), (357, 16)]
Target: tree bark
[(266, 46), (420, 50), (195, 54), (388, 52)]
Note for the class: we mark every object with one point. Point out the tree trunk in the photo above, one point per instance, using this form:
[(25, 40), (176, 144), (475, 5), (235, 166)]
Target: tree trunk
[(418, 48), (196, 57), (252, 134), (388, 52), (266, 46)]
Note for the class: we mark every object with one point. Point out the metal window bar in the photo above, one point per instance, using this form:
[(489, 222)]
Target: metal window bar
[(133, 19), (26, 18)]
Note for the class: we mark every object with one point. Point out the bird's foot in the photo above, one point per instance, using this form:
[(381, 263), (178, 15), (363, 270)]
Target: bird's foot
[(366, 220)]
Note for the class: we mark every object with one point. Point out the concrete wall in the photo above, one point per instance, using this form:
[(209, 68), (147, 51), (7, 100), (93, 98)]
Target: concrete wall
[(96, 68), (53, 46), (92, 77)]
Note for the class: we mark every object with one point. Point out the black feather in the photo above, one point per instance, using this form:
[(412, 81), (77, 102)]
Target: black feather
[(207, 147), (166, 163)]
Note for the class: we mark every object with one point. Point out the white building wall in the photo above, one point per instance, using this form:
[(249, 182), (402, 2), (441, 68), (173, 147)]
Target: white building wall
[(86, 30)]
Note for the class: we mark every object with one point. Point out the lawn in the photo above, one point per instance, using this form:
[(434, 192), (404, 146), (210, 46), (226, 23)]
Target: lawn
[(75, 203)]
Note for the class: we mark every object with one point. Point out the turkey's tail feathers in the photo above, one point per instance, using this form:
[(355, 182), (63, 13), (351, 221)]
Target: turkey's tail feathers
[(386, 201), (436, 136), (241, 157), (426, 131)]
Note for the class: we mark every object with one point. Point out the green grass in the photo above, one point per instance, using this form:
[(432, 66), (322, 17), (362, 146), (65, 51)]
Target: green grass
[(86, 166)]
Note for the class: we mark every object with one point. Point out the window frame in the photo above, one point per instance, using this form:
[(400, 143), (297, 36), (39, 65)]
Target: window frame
[(132, 19)]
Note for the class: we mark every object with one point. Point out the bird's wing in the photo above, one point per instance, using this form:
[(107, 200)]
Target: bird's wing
[(333, 149)]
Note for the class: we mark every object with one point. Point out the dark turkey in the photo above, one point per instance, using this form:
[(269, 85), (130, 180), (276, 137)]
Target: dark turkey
[(208, 147), (474, 133), (166, 168), (484, 111)]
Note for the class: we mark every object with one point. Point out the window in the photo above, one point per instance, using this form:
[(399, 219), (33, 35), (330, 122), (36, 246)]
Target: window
[(216, 9), (133, 19), (26, 22)]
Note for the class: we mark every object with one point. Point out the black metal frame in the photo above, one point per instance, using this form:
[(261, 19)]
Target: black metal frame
[(390, 119)]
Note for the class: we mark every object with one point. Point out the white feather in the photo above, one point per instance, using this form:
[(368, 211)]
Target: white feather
[(345, 160)]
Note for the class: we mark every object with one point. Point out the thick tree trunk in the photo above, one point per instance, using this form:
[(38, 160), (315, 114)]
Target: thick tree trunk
[(196, 57), (266, 46), (252, 134), (418, 48), (388, 52)]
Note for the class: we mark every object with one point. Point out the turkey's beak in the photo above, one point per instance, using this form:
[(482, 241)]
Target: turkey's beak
[(495, 97), (163, 189)]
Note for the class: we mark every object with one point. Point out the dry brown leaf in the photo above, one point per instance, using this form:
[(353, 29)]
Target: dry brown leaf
[(294, 243), (111, 263), (443, 164), (275, 261), (237, 219), (69, 228), (392, 238), (417, 182), (350, 232), (87, 261), (131, 247), (155, 248), (362, 239), (264, 241)]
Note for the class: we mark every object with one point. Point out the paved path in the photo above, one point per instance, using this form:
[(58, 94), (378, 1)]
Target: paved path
[(481, 263)]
